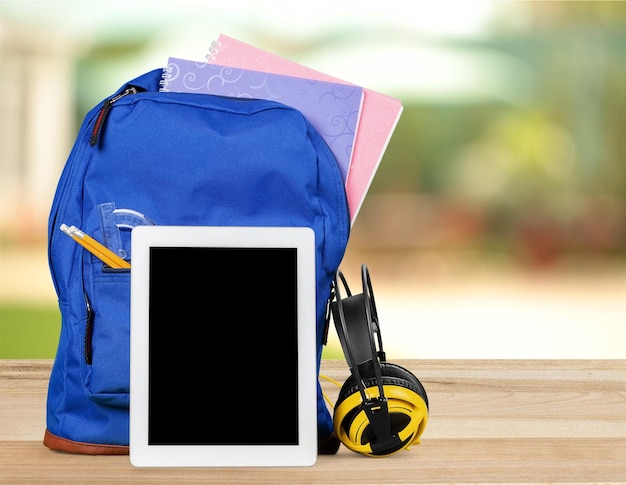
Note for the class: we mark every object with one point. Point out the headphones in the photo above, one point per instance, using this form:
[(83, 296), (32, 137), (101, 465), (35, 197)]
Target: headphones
[(382, 408)]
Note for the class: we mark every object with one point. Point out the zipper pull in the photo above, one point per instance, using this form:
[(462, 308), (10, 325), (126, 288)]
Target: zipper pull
[(104, 111)]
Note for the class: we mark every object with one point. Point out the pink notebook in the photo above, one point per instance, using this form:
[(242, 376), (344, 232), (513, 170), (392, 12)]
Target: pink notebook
[(379, 113)]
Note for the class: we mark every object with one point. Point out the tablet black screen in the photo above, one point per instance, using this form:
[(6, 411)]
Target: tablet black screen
[(223, 355)]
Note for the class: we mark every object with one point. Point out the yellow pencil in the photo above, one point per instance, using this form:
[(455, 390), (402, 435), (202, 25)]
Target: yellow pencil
[(94, 247)]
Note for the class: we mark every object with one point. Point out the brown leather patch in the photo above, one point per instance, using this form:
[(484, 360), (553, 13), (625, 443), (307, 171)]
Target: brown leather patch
[(63, 444)]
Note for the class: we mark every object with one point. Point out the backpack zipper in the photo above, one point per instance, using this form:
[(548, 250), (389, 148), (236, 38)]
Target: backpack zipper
[(104, 111), (88, 331)]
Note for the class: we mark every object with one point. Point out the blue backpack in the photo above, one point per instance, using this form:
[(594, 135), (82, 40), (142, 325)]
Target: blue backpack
[(149, 157)]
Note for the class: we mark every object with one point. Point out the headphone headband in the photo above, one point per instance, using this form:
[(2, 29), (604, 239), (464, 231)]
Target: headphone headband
[(356, 321)]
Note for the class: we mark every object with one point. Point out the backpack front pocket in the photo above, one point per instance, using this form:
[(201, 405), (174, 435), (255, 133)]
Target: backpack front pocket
[(106, 366)]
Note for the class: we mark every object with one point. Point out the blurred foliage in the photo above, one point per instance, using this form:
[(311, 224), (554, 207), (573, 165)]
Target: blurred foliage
[(551, 166), (29, 331)]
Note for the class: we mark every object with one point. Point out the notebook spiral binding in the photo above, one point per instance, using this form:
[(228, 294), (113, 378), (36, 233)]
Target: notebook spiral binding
[(167, 71), (216, 45), (165, 77)]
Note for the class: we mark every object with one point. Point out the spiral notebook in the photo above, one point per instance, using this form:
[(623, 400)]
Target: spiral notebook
[(333, 109), (379, 113)]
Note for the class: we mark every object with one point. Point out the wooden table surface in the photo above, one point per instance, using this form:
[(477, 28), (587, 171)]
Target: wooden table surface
[(491, 421)]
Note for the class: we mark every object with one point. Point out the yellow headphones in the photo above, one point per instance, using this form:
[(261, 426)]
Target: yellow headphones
[(382, 408)]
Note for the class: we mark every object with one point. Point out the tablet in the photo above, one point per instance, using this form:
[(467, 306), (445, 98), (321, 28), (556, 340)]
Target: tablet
[(223, 338)]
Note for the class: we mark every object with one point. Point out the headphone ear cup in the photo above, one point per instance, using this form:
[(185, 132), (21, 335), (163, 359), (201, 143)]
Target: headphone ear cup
[(412, 382), (408, 410), (392, 374)]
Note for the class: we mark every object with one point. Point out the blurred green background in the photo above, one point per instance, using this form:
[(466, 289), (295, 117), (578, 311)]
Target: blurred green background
[(496, 223)]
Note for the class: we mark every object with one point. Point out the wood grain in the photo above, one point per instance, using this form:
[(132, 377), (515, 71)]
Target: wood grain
[(491, 421)]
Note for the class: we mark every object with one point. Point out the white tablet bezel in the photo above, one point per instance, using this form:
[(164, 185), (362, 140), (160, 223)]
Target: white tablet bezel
[(142, 454)]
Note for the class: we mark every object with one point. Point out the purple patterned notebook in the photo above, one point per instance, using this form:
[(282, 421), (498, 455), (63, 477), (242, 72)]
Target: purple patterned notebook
[(333, 109)]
